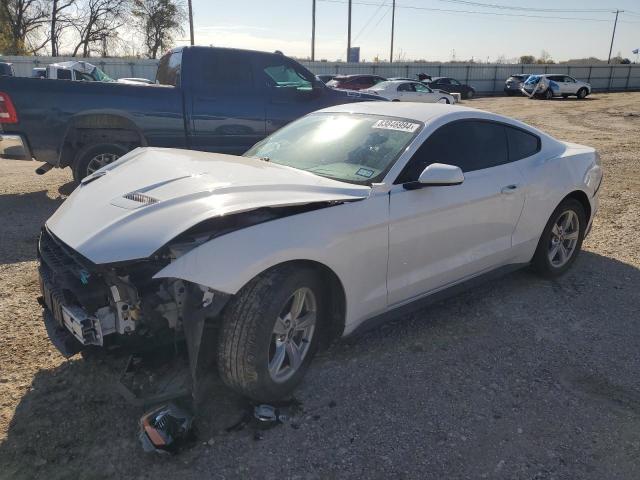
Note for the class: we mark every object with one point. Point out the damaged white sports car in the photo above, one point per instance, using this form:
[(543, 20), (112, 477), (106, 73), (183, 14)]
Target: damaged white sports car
[(335, 221)]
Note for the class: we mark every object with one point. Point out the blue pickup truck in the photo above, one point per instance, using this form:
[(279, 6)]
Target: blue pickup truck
[(212, 99)]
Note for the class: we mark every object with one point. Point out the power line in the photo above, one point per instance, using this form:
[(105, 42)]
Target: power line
[(444, 10), (370, 20), (509, 7)]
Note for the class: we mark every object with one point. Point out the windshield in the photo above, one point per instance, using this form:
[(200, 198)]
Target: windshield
[(380, 86), (100, 76), (347, 147)]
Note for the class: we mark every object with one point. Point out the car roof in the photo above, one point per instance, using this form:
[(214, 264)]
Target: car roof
[(356, 75), (422, 112)]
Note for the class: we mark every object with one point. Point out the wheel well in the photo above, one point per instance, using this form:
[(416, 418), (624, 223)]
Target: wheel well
[(581, 197), (99, 128), (336, 294)]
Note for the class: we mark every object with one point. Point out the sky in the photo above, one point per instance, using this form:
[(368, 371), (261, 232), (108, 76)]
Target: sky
[(421, 34)]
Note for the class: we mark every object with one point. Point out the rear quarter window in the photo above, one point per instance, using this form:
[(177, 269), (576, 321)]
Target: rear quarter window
[(169, 69), (521, 144)]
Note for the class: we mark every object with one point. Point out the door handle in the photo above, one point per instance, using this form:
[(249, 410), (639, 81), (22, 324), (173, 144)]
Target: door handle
[(509, 189)]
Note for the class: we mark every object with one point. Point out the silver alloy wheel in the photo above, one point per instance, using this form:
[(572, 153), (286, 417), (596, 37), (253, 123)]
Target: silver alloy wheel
[(100, 160), (564, 238), (292, 335)]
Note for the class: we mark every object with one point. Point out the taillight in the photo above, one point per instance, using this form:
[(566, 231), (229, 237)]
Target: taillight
[(7, 111)]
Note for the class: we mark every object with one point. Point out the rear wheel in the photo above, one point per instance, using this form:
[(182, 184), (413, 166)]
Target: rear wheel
[(561, 240), (582, 93), (548, 94), (94, 157), (270, 333)]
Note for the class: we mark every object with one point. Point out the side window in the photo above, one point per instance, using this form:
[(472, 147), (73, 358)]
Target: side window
[(405, 87), (377, 80), (454, 82), (521, 144), (282, 75), (225, 69), (443, 81), (569, 79), (468, 144), (169, 69), (63, 74), (418, 87)]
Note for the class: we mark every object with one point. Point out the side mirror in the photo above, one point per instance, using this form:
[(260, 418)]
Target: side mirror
[(440, 174)]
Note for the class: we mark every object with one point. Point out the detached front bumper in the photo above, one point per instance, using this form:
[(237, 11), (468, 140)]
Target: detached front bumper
[(14, 147)]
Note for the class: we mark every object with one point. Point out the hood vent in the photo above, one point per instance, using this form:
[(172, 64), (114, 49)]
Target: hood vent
[(140, 198), (133, 200)]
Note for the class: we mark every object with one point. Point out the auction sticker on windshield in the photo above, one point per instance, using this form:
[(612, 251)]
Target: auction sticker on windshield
[(396, 125)]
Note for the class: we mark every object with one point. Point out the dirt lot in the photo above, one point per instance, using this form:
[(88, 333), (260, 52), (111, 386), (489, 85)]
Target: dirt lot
[(520, 379)]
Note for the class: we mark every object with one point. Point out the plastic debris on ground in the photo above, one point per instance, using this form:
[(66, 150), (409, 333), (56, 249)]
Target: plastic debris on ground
[(166, 429)]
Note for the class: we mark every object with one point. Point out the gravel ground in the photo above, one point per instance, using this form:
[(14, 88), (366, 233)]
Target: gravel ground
[(519, 379)]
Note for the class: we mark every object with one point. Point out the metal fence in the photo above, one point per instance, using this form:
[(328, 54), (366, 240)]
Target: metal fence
[(489, 78), (114, 67), (485, 78)]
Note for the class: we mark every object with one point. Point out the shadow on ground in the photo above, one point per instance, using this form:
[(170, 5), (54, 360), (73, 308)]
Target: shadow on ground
[(21, 218), (540, 373)]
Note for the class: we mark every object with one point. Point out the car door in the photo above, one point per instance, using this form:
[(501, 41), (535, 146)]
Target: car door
[(441, 84), (425, 94), (441, 235), (405, 92), (288, 89), (570, 86), (227, 110)]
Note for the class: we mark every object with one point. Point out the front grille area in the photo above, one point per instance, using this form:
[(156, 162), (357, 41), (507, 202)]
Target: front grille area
[(78, 279)]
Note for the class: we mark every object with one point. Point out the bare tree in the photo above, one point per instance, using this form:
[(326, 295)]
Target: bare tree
[(24, 21), (159, 21), (60, 21), (98, 21)]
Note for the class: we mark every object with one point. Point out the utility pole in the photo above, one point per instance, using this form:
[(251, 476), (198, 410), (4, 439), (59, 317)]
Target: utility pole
[(349, 33), (393, 22), (191, 22), (313, 31), (613, 34)]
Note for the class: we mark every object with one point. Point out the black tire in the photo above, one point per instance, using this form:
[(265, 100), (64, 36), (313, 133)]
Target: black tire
[(541, 263), (564, 95), (395, 100), (582, 93), (446, 101), (87, 154), (469, 94), (548, 94), (246, 334)]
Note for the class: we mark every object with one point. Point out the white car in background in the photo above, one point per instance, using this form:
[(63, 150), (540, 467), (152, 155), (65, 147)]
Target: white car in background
[(549, 86), (409, 91), (335, 221)]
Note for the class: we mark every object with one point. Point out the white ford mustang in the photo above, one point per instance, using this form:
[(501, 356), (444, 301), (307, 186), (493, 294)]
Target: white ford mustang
[(336, 220)]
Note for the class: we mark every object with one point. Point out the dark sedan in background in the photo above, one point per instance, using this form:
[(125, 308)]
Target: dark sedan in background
[(355, 82), (513, 84), (451, 85)]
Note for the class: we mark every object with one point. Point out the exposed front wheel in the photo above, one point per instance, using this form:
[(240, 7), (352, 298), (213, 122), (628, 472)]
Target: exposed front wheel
[(270, 333), (444, 100), (561, 240), (469, 95), (94, 157), (582, 93), (548, 94)]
